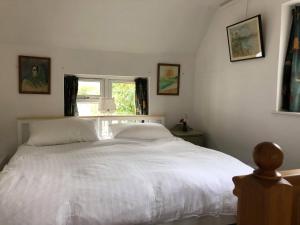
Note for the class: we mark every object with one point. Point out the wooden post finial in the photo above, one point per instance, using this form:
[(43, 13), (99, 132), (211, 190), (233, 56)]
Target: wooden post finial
[(268, 157)]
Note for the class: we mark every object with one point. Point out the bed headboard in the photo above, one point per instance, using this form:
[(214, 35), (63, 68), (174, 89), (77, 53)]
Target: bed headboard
[(103, 121)]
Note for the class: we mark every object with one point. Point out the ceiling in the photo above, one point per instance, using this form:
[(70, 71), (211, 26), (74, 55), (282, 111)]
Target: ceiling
[(136, 26)]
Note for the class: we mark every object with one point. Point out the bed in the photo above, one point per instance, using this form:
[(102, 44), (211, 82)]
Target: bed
[(124, 180)]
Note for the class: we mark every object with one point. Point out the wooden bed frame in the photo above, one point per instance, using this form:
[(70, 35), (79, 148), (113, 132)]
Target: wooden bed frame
[(268, 197)]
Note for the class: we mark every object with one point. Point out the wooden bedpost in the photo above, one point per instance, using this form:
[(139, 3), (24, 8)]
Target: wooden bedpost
[(265, 197)]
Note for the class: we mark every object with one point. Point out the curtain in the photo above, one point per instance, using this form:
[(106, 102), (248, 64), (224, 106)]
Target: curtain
[(141, 96), (291, 76), (71, 89)]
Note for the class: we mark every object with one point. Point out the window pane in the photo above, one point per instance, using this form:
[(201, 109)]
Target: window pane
[(89, 87), (124, 94), (88, 108)]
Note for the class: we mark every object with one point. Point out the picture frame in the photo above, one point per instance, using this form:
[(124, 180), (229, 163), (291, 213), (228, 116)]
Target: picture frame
[(245, 39), (168, 79), (34, 75)]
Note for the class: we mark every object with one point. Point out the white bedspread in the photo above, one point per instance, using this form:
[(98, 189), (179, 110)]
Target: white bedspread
[(116, 182)]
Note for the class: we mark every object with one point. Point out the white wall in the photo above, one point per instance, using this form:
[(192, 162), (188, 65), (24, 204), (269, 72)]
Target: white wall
[(66, 61), (134, 26), (234, 101)]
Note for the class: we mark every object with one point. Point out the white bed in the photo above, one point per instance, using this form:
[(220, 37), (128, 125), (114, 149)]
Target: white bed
[(119, 182)]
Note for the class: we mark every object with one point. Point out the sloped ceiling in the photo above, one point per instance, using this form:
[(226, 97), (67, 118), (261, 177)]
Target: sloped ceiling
[(136, 26)]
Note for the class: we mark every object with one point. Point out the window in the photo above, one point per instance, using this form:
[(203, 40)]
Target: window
[(90, 91), (124, 95), (89, 88), (288, 85)]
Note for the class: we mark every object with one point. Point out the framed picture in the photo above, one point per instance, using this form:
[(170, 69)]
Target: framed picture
[(34, 75), (168, 79), (245, 40)]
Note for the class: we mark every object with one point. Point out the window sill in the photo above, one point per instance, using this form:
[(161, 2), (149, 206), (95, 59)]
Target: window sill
[(110, 115), (284, 113)]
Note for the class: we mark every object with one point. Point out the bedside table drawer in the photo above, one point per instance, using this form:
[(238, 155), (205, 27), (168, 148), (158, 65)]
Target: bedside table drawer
[(197, 140)]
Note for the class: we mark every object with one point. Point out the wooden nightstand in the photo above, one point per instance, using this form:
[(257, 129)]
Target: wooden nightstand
[(3, 161), (194, 136)]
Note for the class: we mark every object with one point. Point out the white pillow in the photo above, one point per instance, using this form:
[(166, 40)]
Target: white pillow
[(146, 131), (62, 131)]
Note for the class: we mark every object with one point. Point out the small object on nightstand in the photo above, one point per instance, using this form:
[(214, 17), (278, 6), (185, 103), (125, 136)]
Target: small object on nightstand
[(184, 124), (193, 136)]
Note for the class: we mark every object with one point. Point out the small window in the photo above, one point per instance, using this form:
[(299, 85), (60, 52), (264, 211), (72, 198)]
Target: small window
[(124, 94), (288, 85), (89, 92), (89, 88)]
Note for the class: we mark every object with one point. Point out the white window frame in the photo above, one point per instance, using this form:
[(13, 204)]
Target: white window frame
[(92, 98), (105, 87), (111, 81)]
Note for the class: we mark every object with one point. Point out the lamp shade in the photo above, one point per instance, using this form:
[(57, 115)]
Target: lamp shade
[(107, 105)]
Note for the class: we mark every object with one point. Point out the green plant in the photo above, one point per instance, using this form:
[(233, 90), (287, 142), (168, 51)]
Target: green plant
[(124, 94)]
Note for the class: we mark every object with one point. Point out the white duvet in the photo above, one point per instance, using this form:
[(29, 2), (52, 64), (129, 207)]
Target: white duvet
[(117, 182)]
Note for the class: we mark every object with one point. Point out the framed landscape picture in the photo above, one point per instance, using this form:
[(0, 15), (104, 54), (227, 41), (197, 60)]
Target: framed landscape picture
[(168, 79), (34, 75), (245, 40)]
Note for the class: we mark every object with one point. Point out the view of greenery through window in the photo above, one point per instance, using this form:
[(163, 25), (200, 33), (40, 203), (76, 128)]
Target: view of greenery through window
[(124, 94), (90, 91), (89, 88)]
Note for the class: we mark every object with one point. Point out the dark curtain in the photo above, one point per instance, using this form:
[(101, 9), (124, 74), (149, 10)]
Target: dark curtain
[(291, 76), (71, 89), (141, 96)]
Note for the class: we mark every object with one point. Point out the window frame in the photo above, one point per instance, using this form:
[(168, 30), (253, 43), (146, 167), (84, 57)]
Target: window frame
[(111, 81), (285, 28), (92, 98), (110, 84), (105, 88)]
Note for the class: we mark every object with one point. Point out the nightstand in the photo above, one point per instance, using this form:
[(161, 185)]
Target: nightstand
[(194, 136), (3, 161)]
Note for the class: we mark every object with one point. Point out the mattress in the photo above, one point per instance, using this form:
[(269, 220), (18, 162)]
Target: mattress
[(116, 182)]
